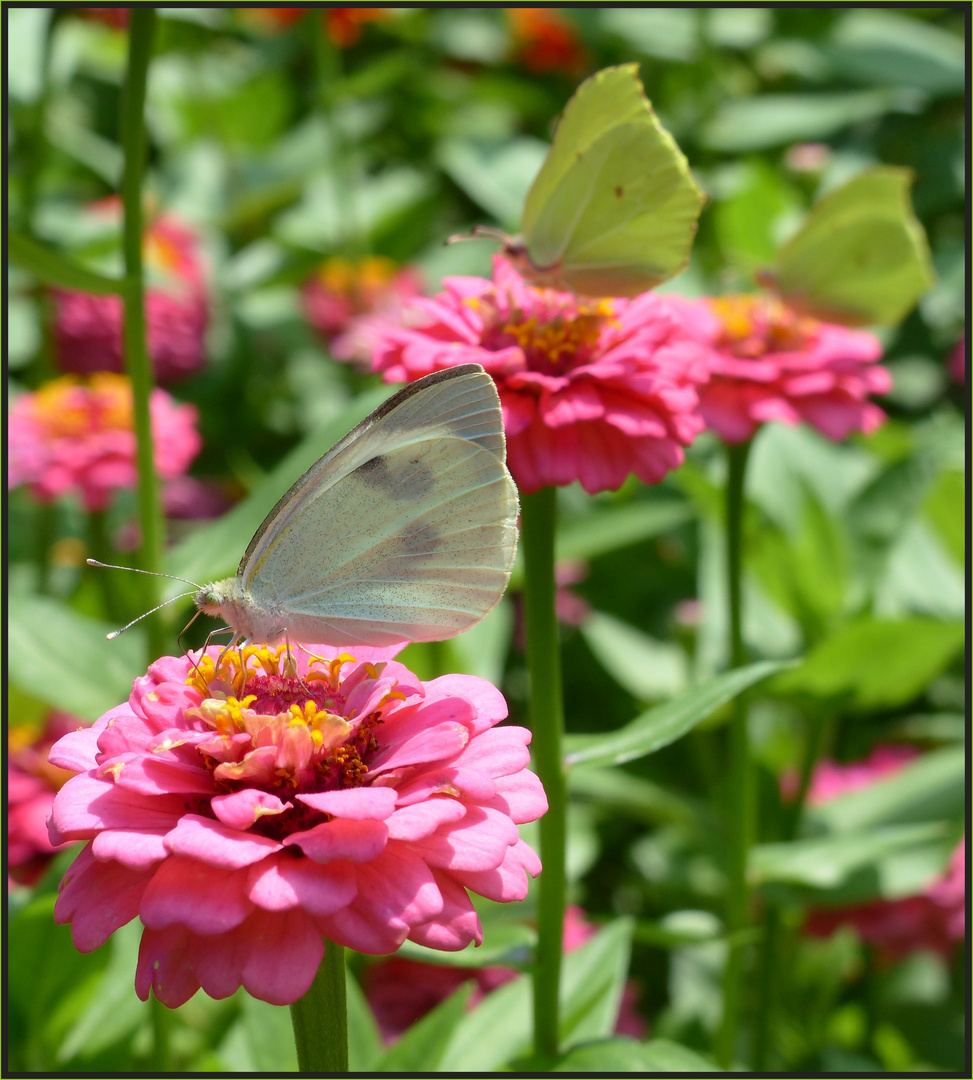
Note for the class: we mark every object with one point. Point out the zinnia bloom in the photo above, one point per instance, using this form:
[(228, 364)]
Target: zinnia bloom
[(246, 815), (591, 390), (77, 435), (770, 363), (88, 328), (545, 40), (352, 304), (935, 919), (402, 991), (32, 782)]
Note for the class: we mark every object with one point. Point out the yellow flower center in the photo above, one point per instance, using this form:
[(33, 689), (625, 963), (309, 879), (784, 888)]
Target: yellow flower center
[(70, 407), (753, 325)]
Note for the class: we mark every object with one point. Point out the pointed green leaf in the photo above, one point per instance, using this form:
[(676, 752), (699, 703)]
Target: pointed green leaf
[(665, 723), (422, 1046), (53, 269)]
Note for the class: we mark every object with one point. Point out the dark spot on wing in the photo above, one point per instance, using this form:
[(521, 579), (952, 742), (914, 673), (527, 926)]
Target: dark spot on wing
[(619, 191), (415, 480), (374, 471)]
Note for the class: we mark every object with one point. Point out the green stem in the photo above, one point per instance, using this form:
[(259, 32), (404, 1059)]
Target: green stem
[(538, 523), (320, 1018), (35, 133), (767, 1000), (741, 812), (141, 34), (43, 542)]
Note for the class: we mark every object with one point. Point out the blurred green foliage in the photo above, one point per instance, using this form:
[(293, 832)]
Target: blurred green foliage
[(280, 149)]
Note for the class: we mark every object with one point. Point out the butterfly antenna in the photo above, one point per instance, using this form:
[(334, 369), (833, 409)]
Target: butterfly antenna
[(115, 633), (151, 573)]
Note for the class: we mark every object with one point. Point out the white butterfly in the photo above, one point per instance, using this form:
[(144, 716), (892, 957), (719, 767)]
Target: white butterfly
[(405, 530)]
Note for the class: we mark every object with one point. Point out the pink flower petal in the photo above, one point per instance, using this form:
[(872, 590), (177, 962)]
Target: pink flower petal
[(356, 804), (217, 845), (343, 838), (283, 883), (205, 898), (422, 819)]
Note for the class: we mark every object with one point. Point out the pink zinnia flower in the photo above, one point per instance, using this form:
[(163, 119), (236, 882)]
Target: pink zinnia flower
[(935, 919), (352, 304), (770, 363), (402, 991), (88, 328), (77, 435), (247, 817), (591, 390), (32, 782)]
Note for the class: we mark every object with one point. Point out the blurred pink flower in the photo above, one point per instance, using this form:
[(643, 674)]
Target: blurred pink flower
[(88, 328), (809, 157), (956, 364), (769, 363), (591, 390), (352, 304), (935, 919), (402, 991), (77, 435), (246, 818), (32, 782)]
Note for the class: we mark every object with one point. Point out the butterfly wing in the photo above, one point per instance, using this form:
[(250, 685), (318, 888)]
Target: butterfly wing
[(405, 530), (614, 206), (861, 256)]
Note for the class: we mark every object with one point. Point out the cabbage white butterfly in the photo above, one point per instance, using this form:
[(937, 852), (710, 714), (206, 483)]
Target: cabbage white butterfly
[(406, 529), (613, 210)]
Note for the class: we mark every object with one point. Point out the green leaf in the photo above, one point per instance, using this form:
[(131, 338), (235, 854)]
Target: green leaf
[(424, 1044), (64, 659), (756, 123), (497, 178), (890, 862), (620, 1054), (647, 668), (873, 663), (932, 788), (364, 1038), (747, 220), (945, 506), (215, 549), (882, 47), (591, 986), (665, 723), (53, 269)]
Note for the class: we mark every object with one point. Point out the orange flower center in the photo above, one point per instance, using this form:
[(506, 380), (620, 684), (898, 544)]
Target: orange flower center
[(70, 407), (362, 281), (752, 326), (301, 737), (556, 344)]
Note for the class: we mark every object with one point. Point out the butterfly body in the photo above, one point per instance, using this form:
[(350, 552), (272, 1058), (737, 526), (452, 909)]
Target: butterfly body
[(404, 531)]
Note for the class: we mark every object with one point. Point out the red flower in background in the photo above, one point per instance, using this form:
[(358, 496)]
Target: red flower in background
[(402, 991), (769, 363), (77, 435), (115, 17), (342, 24), (32, 783), (352, 304), (88, 328), (956, 365), (590, 390), (545, 40), (935, 919)]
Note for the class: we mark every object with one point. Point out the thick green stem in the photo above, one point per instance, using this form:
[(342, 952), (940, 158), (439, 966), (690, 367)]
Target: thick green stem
[(538, 523), (320, 1018), (741, 810), (160, 1018), (141, 34), (103, 550)]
